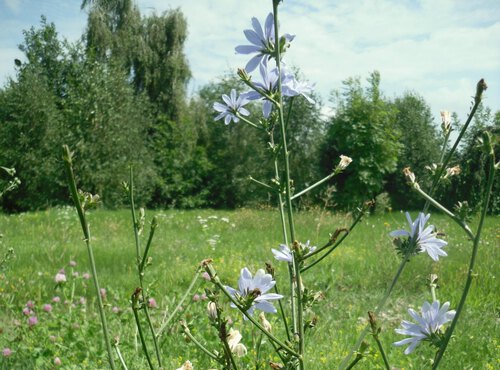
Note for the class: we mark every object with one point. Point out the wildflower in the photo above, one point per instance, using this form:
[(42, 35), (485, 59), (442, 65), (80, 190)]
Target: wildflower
[(60, 277), (103, 293), (152, 303), (344, 162), (205, 276), (57, 361), (6, 352), (263, 42), (203, 297), (82, 301), (115, 309), (232, 108), (453, 171), (233, 340), (252, 291), (428, 326), (269, 86), (296, 88), (212, 310), (47, 307), (196, 298), (86, 276), (285, 254), (266, 324), (52, 338), (445, 120), (75, 274), (186, 366), (27, 311), (30, 304), (420, 239), (72, 263), (32, 321)]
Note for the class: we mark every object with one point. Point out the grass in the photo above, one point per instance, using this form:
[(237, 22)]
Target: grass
[(352, 280)]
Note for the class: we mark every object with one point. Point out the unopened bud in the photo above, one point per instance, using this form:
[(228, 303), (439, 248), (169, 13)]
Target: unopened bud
[(453, 171), (212, 310), (266, 324), (410, 176), (445, 120), (480, 87)]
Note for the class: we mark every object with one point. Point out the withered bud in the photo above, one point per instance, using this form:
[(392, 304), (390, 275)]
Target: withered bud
[(270, 269), (481, 86), (410, 176)]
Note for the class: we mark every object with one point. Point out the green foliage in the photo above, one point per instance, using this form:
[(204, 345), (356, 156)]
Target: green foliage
[(421, 145), (60, 98), (469, 184), (363, 128)]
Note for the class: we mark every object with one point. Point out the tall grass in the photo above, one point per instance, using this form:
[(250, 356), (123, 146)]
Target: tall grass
[(352, 280)]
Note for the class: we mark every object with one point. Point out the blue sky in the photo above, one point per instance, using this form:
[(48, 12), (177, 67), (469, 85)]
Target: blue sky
[(438, 48)]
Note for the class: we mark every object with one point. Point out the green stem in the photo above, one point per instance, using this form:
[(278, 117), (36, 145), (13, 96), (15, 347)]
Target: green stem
[(67, 157), (139, 327), (179, 305), (334, 246), (288, 194), (457, 220), (302, 192), (470, 274), (141, 263), (441, 169), (382, 352), (120, 357), (283, 317), (198, 344), (378, 309)]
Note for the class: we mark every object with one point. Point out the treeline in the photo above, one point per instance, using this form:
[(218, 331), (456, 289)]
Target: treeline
[(118, 99)]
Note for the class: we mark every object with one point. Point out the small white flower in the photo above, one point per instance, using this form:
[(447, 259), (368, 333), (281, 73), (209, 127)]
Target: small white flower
[(428, 324), (344, 162), (266, 324), (60, 278), (233, 340), (284, 254)]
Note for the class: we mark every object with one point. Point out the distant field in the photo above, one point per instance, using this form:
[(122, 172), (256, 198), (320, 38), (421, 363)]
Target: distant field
[(352, 279)]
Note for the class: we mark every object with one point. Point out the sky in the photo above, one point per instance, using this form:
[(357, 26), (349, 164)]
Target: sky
[(436, 48)]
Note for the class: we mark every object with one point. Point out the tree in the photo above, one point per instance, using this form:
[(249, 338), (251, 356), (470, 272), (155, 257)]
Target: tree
[(364, 128), (421, 145)]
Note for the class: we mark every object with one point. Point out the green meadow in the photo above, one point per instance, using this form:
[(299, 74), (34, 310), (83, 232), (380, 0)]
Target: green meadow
[(351, 279)]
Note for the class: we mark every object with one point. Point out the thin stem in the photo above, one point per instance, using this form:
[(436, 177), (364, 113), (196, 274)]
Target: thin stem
[(481, 86), (288, 194), (119, 354), (378, 309), (247, 121), (261, 183), (141, 263), (282, 312), (302, 192), (198, 344), (67, 157), (135, 297), (470, 274), (460, 222), (334, 246), (179, 305)]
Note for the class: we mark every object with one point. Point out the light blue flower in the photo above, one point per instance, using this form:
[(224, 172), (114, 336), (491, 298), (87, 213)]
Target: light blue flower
[(428, 326), (286, 255), (232, 107), (424, 238), (269, 85), (262, 42), (252, 291)]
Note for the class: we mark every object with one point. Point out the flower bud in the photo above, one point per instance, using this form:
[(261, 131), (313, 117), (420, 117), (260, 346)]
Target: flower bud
[(445, 121), (212, 310), (266, 324)]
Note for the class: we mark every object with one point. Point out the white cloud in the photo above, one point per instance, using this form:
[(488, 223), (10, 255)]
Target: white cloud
[(13, 5)]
